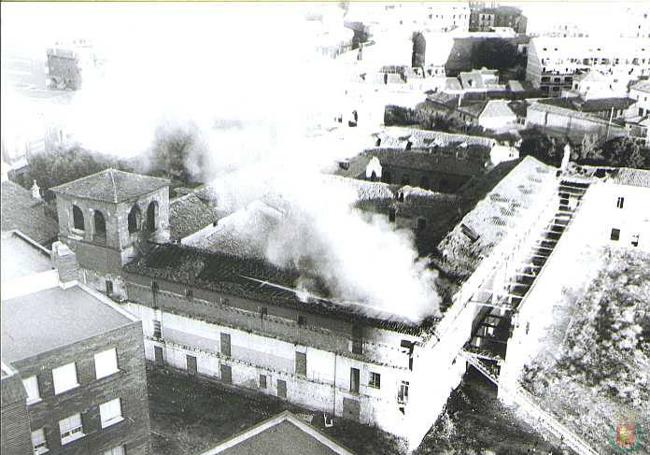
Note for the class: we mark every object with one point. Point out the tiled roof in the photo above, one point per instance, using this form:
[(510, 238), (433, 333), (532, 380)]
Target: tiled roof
[(189, 214), (231, 275), (111, 185), (631, 176), (497, 108), (524, 188), (20, 211), (399, 136)]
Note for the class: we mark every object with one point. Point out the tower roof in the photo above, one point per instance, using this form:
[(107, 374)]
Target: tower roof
[(111, 185)]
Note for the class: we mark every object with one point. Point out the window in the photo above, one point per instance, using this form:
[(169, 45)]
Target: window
[(392, 213), (375, 380), (119, 450), (403, 392), (262, 381), (106, 363), (152, 209), (78, 218), (301, 363), (71, 428), (31, 387), (264, 311), (39, 442), (109, 288), (157, 329), (357, 340), (354, 380), (635, 240), (619, 202), (615, 235), (225, 344), (282, 388), (65, 378), (134, 219), (301, 320), (111, 412)]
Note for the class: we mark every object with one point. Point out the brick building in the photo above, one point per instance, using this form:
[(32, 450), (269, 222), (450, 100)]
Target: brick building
[(73, 376)]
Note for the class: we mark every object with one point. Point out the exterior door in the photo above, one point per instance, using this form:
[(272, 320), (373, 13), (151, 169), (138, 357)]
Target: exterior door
[(351, 409), (158, 355), (226, 374), (191, 365)]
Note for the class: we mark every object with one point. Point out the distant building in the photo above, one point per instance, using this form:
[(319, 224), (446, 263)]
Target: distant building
[(640, 92), (486, 19), (73, 376), (553, 63), (66, 63)]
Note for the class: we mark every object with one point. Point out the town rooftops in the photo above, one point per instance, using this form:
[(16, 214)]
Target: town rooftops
[(53, 318), (250, 278), (22, 212), (282, 434), (585, 47), (642, 86), (515, 198), (396, 136), (588, 106), (111, 185)]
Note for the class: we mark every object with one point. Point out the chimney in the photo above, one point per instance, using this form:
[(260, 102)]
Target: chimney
[(65, 262), (36, 191)]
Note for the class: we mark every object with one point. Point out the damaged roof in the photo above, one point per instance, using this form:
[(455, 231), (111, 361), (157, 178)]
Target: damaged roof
[(515, 199), (190, 213), (111, 185), (249, 278)]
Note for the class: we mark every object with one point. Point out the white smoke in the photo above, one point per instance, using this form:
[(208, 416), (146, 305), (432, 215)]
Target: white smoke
[(246, 82)]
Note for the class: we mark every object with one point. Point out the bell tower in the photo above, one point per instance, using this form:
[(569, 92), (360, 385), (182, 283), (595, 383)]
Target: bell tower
[(109, 218)]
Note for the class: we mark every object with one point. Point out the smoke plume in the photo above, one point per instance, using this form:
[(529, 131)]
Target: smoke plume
[(247, 85)]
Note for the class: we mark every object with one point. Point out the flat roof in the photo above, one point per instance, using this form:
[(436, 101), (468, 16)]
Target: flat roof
[(282, 434), (21, 258), (53, 318)]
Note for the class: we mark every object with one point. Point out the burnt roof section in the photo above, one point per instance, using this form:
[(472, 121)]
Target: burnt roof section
[(111, 185), (249, 278), (22, 212), (189, 214)]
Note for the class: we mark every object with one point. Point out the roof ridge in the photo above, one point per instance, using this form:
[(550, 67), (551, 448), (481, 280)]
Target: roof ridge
[(110, 172)]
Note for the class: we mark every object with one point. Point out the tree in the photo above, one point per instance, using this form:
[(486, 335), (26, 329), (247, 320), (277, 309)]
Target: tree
[(172, 150), (419, 50), (541, 146), (622, 151)]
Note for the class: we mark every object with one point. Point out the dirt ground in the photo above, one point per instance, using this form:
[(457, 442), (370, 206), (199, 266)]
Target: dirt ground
[(190, 415)]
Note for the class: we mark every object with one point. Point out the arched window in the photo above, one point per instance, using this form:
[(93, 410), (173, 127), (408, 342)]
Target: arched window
[(78, 218), (134, 219), (152, 211), (100, 225), (373, 176)]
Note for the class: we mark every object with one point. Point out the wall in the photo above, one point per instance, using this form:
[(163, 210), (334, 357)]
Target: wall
[(571, 123), (129, 384), (16, 433)]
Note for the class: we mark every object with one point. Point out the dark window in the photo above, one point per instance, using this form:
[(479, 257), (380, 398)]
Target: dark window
[(100, 225), (409, 144), (264, 311), (301, 320), (191, 364), (373, 176), (375, 380), (619, 202), (109, 288), (391, 215), (226, 373), (301, 363), (262, 381), (635, 240), (615, 235), (354, 380), (158, 355), (225, 344), (157, 329), (78, 218), (152, 210), (134, 219), (282, 388)]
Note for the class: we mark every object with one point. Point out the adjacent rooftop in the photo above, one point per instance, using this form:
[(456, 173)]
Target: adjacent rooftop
[(53, 318), (111, 185), (24, 213)]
